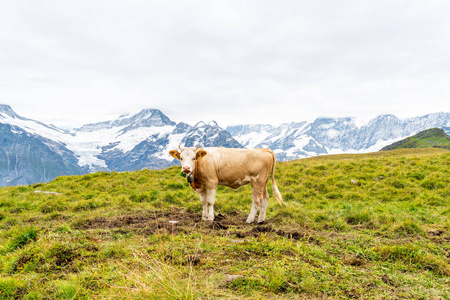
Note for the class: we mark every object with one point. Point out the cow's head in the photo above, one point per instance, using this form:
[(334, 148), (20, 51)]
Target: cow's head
[(188, 156)]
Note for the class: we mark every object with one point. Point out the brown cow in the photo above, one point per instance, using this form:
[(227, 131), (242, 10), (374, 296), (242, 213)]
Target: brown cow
[(234, 168)]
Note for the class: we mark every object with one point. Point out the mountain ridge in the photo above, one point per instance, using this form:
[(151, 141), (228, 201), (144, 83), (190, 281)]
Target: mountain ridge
[(142, 140), (334, 135)]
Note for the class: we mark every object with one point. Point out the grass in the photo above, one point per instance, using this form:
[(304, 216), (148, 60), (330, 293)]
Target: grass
[(434, 137), (369, 226)]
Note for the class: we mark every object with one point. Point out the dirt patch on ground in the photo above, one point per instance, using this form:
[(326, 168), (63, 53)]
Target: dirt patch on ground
[(145, 222), (438, 235), (161, 222), (354, 260), (265, 228)]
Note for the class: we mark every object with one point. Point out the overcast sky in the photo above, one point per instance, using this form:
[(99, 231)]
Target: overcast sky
[(69, 63)]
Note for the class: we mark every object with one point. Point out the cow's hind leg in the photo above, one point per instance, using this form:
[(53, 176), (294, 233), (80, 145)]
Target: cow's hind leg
[(264, 202), (256, 201)]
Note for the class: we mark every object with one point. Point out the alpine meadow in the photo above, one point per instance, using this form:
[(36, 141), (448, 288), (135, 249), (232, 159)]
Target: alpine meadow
[(354, 226)]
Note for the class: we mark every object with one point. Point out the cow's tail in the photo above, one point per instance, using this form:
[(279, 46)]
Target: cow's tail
[(275, 190)]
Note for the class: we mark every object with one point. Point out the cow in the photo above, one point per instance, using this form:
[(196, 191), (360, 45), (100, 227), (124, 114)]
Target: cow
[(231, 167)]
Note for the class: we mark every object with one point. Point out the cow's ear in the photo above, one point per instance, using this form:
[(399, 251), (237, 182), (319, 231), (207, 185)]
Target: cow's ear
[(174, 154), (200, 153)]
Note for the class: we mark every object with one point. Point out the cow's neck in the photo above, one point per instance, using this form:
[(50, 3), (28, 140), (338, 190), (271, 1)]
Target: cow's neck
[(195, 183)]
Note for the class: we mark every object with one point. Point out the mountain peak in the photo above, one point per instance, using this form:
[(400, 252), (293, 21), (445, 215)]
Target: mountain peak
[(200, 124), (209, 135), (203, 124), (144, 118), (155, 116), (149, 112), (8, 111), (386, 117)]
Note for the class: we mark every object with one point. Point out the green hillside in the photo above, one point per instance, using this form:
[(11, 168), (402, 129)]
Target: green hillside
[(354, 226), (433, 137)]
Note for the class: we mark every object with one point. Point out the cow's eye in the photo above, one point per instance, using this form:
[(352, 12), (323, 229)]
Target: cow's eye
[(193, 159)]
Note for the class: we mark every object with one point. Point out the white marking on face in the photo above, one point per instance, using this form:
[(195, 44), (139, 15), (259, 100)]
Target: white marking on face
[(187, 158)]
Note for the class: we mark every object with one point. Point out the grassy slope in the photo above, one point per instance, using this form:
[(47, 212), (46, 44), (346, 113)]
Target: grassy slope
[(384, 235), (433, 137)]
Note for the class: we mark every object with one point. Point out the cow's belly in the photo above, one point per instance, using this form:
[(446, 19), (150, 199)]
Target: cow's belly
[(237, 183), (234, 186)]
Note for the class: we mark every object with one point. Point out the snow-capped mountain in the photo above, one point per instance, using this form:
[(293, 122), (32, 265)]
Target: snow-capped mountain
[(141, 141), (130, 142), (209, 135), (31, 151), (100, 146), (334, 135)]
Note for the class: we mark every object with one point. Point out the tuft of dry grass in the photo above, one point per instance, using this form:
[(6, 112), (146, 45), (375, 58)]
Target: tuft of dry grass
[(149, 278)]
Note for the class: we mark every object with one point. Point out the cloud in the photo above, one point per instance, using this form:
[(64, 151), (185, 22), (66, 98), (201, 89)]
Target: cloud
[(70, 63)]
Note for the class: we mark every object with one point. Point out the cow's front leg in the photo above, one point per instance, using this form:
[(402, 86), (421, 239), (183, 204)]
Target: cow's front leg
[(210, 199), (204, 202)]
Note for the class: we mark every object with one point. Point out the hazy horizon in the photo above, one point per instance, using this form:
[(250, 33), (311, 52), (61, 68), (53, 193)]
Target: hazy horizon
[(235, 62)]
